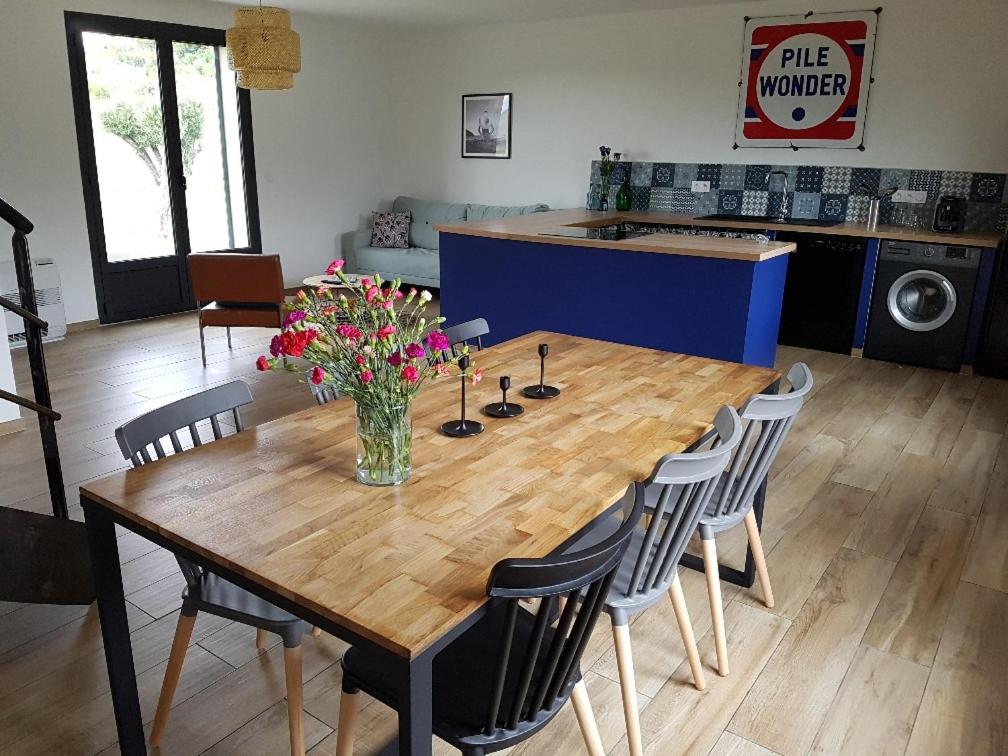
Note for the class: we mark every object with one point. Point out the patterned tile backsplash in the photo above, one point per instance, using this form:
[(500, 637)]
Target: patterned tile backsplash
[(827, 192)]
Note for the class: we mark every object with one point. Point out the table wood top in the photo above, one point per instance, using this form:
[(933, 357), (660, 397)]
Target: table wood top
[(530, 228), (279, 505)]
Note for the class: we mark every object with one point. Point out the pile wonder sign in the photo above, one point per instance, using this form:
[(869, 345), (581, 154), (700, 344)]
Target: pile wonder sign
[(805, 80)]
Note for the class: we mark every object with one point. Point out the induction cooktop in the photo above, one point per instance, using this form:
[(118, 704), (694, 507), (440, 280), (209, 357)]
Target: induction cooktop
[(610, 233)]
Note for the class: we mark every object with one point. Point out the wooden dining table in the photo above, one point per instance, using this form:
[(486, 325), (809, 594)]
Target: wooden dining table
[(277, 510)]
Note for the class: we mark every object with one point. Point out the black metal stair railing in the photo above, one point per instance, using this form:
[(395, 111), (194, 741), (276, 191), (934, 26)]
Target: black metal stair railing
[(42, 559), (34, 327)]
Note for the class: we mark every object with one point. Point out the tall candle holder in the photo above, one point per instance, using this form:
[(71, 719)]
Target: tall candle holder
[(462, 428), (504, 408), (541, 391)]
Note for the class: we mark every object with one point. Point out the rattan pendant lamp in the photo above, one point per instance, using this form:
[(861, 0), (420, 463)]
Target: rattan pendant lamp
[(262, 49)]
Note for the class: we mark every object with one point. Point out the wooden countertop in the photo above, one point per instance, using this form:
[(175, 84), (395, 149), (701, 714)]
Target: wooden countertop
[(278, 503), (530, 228)]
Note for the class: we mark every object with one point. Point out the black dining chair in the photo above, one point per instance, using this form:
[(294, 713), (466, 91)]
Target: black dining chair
[(463, 333), (140, 441), (505, 678)]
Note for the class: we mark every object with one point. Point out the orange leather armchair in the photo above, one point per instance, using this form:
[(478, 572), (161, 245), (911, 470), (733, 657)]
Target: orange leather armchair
[(236, 290)]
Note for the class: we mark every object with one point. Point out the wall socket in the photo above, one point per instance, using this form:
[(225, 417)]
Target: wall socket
[(701, 186), (914, 197)]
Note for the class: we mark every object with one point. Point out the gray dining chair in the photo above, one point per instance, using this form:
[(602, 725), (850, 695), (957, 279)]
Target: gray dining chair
[(684, 484), (767, 419), (323, 393), (463, 333), (142, 441)]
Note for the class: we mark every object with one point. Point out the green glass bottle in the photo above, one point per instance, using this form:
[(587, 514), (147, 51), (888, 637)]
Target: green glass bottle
[(623, 197)]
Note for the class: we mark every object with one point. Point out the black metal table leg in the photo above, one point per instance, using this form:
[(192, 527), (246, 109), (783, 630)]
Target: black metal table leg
[(415, 696), (746, 577), (416, 714), (115, 629)]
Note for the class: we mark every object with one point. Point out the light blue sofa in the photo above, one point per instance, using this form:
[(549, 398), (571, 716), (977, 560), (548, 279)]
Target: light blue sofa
[(419, 264)]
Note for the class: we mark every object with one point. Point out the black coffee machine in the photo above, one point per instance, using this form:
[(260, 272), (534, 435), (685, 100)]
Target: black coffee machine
[(950, 215)]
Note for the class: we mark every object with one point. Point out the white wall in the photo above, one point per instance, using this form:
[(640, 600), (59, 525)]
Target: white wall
[(8, 411), (662, 86), (375, 111), (322, 149)]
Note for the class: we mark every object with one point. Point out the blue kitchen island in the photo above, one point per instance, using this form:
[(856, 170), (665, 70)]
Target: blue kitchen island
[(567, 271)]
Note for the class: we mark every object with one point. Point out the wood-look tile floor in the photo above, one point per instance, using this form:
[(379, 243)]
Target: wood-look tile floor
[(887, 538)]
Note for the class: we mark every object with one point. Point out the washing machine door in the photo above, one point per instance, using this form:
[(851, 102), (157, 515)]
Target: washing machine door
[(921, 300)]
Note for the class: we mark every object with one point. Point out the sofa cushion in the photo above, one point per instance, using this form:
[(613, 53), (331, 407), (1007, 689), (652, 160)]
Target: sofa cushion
[(425, 216), (390, 230), (484, 212), (408, 264)]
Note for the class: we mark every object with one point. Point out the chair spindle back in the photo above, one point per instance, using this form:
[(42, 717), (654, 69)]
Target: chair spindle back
[(463, 333), (138, 437), (767, 418), (687, 482), (535, 678)]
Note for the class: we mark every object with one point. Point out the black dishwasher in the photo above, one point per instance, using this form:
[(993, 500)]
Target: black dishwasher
[(822, 291)]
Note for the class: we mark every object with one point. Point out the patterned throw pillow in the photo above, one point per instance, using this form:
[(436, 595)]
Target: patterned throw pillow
[(390, 230)]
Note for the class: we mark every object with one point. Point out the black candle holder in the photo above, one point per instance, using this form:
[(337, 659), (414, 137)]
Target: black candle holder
[(462, 428), (541, 391), (504, 408)]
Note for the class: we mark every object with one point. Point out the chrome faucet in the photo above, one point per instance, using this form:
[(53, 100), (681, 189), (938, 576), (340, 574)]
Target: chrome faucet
[(782, 214)]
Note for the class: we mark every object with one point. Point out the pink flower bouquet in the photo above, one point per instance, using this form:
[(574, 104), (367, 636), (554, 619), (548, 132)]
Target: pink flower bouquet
[(372, 343)]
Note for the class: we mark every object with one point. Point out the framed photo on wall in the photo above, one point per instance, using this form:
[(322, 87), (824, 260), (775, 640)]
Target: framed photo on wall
[(486, 125)]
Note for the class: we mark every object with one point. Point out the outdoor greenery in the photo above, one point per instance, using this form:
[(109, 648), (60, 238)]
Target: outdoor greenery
[(123, 76)]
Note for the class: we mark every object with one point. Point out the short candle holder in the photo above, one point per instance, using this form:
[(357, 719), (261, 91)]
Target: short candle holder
[(541, 391), (504, 408), (462, 428)]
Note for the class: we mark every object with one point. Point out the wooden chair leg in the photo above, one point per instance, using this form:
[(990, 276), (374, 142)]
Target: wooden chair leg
[(628, 687), (586, 720), (709, 551), (295, 699), (261, 636), (180, 644), (346, 727), (686, 631), (759, 558)]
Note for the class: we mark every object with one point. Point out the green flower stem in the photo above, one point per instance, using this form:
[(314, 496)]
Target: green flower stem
[(385, 445)]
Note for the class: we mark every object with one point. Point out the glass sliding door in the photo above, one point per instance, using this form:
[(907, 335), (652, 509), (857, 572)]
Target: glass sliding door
[(129, 146), (211, 147), (166, 157)]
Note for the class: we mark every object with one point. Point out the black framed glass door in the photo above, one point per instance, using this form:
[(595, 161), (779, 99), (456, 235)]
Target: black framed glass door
[(167, 164)]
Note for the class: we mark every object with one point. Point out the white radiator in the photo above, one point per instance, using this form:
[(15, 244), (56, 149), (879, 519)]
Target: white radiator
[(48, 296)]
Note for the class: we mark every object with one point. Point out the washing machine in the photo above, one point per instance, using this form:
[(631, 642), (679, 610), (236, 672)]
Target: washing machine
[(921, 302)]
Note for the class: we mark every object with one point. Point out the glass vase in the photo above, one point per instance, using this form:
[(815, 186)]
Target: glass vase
[(384, 445), (623, 197), (603, 204)]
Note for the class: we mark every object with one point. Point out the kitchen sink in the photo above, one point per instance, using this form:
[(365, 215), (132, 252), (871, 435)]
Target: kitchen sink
[(769, 219)]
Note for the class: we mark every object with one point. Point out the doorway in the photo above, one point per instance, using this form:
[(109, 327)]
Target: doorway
[(167, 165)]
